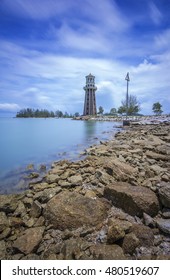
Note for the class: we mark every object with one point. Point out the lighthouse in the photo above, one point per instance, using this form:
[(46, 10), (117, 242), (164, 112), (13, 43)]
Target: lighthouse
[(90, 98)]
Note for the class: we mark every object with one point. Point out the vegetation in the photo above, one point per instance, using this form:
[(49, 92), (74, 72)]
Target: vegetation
[(133, 106), (43, 113), (101, 110), (113, 111), (156, 108)]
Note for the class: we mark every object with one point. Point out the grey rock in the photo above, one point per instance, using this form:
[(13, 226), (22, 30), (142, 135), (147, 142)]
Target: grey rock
[(164, 195), (164, 225)]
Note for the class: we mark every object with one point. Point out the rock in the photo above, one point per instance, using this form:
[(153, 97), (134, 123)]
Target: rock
[(52, 178), (64, 184), (47, 194), (103, 177), (164, 195), (144, 234), (119, 170), (20, 210), (6, 233), (40, 222), (42, 168), (16, 222), (28, 242), (166, 213), (31, 257), (41, 186), (148, 220), (164, 225), (156, 156), (2, 250), (69, 210), (132, 199), (117, 229), (130, 242), (107, 252), (30, 167), (36, 209), (74, 249), (28, 201), (157, 169), (75, 180), (3, 221), (8, 203)]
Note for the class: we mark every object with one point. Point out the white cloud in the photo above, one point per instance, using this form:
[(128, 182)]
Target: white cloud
[(9, 107)]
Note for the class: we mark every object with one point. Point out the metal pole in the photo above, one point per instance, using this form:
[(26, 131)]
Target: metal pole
[(127, 99), (127, 96)]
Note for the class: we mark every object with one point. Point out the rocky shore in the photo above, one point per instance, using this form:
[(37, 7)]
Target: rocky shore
[(114, 204)]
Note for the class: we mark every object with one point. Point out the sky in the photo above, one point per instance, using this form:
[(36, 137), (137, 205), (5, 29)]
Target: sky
[(47, 47)]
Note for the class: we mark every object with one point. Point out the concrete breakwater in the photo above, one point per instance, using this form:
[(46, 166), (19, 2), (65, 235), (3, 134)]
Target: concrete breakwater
[(114, 204)]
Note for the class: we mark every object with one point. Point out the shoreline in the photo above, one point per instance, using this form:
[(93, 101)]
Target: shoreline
[(17, 179), (114, 204)]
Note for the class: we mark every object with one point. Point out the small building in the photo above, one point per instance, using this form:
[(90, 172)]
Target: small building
[(90, 98)]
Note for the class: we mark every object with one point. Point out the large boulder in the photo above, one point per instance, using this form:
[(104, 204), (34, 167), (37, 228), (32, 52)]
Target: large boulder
[(28, 242), (69, 210), (132, 199)]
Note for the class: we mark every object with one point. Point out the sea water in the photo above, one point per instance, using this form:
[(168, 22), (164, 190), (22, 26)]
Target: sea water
[(41, 141)]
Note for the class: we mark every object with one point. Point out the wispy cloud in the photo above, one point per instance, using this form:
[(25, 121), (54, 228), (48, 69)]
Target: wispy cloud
[(155, 13), (48, 71), (38, 10)]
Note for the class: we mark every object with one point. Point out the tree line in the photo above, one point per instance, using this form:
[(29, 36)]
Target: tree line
[(132, 108), (43, 113)]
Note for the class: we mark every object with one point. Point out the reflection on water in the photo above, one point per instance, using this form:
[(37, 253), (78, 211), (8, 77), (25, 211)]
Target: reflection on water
[(89, 129)]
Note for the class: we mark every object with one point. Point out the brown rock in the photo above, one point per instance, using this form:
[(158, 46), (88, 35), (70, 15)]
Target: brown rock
[(8, 203), (29, 241), (107, 252), (130, 242), (119, 170), (132, 199), (117, 229), (144, 234), (36, 209), (3, 221), (46, 194), (2, 250), (156, 156), (69, 210), (52, 178), (75, 180)]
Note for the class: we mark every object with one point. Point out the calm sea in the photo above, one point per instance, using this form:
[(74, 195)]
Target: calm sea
[(42, 141)]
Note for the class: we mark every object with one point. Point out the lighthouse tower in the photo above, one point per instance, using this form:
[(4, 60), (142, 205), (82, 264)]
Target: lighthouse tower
[(90, 99)]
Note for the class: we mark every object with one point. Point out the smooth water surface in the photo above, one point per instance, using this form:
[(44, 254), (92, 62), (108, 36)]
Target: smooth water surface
[(41, 141)]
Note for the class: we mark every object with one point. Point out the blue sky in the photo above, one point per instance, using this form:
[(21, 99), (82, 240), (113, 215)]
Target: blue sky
[(47, 47)]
